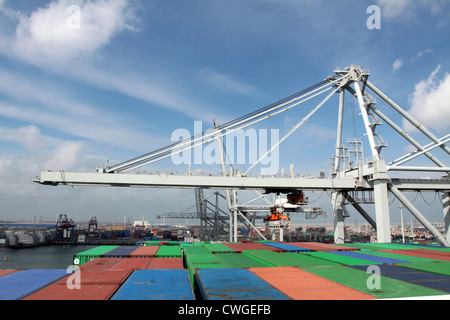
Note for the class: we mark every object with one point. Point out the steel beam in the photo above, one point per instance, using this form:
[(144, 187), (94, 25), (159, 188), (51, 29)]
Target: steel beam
[(407, 116), (365, 116), (181, 181), (337, 164), (423, 169), (338, 202), (445, 196), (416, 213), (406, 136), (360, 210), (219, 182), (382, 211)]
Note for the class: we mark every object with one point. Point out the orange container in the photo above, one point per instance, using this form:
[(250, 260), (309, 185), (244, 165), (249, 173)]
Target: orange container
[(302, 285), (239, 247), (316, 246), (433, 252), (145, 252), (133, 264), (100, 264), (6, 272), (166, 263), (414, 253), (94, 285)]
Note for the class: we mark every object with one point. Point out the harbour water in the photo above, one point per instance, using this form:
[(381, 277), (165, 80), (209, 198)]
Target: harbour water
[(45, 257)]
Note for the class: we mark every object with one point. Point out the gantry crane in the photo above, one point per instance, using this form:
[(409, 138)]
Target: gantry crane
[(64, 227), (372, 176)]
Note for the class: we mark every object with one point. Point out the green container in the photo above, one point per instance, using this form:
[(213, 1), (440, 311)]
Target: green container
[(239, 260), (218, 248), (302, 260), (340, 259), (441, 267), (152, 243), (361, 280), (397, 256), (85, 256), (195, 250), (266, 257), (203, 261), (168, 252)]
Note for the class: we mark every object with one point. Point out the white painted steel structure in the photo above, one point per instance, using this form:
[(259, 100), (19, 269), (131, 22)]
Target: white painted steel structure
[(372, 175)]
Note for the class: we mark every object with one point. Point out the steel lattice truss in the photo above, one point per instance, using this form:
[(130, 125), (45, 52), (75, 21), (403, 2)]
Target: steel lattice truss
[(370, 176)]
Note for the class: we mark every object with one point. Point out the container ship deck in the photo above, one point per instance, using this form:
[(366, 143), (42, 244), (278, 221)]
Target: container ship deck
[(266, 270)]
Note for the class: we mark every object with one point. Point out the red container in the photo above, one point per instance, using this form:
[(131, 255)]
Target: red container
[(94, 285), (133, 264), (239, 247), (414, 253), (316, 246), (6, 272), (145, 252), (166, 263), (302, 285), (434, 252), (100, 264)]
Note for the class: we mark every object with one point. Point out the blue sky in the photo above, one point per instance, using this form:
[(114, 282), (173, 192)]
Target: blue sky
[(117, 87)]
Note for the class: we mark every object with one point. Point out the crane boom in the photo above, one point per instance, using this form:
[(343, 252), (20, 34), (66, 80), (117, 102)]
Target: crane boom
[(372, 175)]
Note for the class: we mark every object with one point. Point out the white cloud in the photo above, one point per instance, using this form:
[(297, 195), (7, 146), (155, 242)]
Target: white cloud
[(45, 37), (226, 82), (430, 101), (44, 152), (397, 8), (397, 64), (393, 8), (106, 130), (318, 132), (66, 157), (49, 94), (30, 136), (422, 53), (144, 88)]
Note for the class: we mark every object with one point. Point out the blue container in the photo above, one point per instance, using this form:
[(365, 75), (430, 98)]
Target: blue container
[(422, 278), (235, 284), (369, 257), (120, 252), (20, 284), (126, 233), (287, 247), (156, 284)]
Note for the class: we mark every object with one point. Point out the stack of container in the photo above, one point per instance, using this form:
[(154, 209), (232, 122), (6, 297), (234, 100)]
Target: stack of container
[(236, 284), (250, 270), (168, 252), (90, 254), (156, 284), (93, 285), (18, 285), (203, 261)]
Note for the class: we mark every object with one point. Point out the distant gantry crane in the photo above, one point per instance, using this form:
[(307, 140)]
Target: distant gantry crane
[(64, 227), (372, 177)]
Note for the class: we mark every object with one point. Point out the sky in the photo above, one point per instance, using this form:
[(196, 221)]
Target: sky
[(85, 82)]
